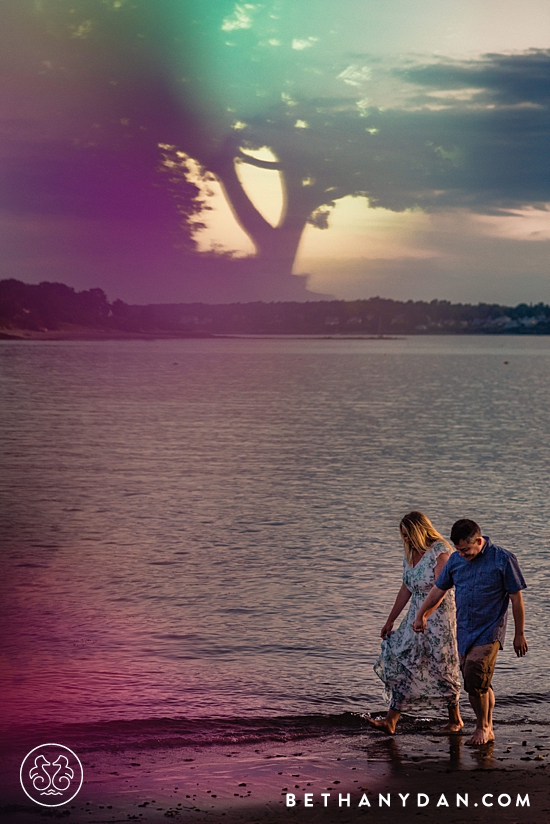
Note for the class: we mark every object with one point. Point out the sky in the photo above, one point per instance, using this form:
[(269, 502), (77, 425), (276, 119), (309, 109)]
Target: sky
[(426, 119)]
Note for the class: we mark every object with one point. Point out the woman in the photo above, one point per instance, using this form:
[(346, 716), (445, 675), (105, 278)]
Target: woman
[(420, 671)]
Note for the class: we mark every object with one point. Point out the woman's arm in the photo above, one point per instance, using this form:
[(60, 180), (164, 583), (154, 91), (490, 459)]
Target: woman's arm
[(440, 563), (402, 599)]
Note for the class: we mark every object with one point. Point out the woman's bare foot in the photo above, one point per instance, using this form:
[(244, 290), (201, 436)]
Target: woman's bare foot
[(480, 737), (381, 724), (451, 728)]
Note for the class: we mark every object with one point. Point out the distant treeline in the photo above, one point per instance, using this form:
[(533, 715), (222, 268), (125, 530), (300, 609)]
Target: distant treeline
[(54, 306), (50, 306)]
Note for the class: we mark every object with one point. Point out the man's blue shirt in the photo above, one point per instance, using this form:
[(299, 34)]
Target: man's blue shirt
[(482, 586)]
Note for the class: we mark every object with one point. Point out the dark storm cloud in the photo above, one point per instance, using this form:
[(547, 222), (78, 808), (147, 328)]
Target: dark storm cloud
[(503, 79), (497, 159), (494, 142)]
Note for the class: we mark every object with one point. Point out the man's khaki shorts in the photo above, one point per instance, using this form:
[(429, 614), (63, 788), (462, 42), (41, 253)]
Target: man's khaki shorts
[(477, 667)]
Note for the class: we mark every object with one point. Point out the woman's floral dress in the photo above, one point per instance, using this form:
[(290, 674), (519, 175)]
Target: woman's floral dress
[(420, 670)]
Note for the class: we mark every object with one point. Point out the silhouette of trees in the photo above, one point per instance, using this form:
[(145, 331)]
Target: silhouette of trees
[(257, 75), (85, 111), (49, 305), (289, 99), (142, 84), (54, 306)]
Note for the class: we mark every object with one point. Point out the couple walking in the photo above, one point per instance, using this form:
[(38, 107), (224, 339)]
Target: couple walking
[(420, 662)]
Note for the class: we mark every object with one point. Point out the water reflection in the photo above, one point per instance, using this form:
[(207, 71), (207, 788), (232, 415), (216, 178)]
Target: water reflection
[(445, 753)]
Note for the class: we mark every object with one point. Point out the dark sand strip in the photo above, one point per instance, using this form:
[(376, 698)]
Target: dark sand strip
[(249, 783)]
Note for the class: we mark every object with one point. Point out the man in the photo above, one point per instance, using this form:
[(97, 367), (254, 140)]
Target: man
[(485, 578)]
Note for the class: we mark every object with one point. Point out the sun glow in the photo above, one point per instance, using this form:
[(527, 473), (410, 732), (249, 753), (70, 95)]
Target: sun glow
[(264, 187)]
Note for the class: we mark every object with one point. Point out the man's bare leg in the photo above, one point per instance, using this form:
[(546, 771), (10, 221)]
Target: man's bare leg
[(491, 706), (387, 724), (482, 705)]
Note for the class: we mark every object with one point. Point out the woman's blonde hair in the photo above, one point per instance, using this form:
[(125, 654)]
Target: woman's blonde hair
[(418, 533)]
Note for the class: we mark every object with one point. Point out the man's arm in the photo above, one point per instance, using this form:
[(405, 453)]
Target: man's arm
[(429, 605), (518, 611)]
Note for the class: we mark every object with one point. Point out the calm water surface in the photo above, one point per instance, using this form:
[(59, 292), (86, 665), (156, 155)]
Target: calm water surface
[(208, 528)]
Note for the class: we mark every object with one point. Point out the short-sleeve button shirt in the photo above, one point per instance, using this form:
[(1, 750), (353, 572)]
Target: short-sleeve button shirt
[(482, 587)]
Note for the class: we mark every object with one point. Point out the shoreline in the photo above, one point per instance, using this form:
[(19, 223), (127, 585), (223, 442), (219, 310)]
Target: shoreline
[(92, 334), (420, 774), (104, 334), (87, 334)]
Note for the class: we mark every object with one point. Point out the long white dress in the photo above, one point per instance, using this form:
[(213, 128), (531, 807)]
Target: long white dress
[(420, 671)]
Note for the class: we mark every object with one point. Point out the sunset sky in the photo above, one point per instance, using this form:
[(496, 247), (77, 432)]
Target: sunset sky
[(471, 80)]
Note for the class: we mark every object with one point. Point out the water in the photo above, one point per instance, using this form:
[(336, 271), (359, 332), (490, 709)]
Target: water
[(207, 529)]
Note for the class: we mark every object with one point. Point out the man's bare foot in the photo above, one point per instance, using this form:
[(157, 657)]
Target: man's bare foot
[(451, 728), (480, 737), (381, 724)]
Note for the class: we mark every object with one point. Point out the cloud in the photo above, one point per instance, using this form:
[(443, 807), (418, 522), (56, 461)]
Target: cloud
[(488, 121), (498, 79), (502, 276), (472, 259)]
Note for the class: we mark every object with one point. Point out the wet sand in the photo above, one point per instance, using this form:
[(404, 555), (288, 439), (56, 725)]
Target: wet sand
[(250, 782)]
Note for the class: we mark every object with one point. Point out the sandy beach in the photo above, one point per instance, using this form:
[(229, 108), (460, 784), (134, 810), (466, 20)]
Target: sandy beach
[(85, 333), (74, 333), (416, 775)]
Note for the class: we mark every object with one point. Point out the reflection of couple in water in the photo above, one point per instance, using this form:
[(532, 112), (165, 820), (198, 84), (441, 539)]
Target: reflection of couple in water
[(420, 662)]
